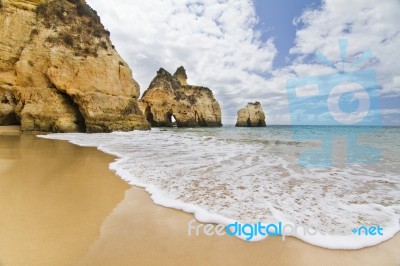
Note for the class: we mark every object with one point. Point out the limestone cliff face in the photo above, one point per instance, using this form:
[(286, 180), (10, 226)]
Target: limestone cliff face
[(59, 71), (251, 116), (170, 97)]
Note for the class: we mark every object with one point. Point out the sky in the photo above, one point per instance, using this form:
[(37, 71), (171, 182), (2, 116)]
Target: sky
[(307, 61), (276, 21)]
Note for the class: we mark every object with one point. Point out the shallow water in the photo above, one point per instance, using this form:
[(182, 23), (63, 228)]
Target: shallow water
[(253, 174)]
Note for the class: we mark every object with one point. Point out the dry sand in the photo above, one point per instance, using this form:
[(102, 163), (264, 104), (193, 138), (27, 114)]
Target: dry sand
[(60, 205)]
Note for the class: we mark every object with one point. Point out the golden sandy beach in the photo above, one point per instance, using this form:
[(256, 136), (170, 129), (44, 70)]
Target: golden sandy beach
[(60, 205)]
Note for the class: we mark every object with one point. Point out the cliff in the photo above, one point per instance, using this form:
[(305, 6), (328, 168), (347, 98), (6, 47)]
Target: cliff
[(251, 116), (169, 96), (59, 71)]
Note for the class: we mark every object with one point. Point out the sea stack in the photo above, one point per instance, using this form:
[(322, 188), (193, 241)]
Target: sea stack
[(251, 116), (59, 71), (169, 97)]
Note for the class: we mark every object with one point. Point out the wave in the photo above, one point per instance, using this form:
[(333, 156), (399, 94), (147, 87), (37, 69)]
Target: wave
[(222, 181)]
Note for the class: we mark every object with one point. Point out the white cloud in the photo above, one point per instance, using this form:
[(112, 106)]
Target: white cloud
[(215, 40), (217, 43), (368, 24)]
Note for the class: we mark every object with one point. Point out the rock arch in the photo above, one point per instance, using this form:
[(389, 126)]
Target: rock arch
[(192, 106)]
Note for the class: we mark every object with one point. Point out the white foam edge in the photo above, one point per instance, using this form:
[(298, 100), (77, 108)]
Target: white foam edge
[(350, 242), (203, 216)]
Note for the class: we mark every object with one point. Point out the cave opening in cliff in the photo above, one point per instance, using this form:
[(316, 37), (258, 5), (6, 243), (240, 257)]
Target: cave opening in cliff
[(10, 119), (172, 119), (8, 103), (80, 120), (149, 116)]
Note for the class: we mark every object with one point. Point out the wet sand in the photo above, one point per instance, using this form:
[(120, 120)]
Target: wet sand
[(60, 205)]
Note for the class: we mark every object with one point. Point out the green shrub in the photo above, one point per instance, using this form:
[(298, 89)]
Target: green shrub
[(41, 9), (51, 39), (97, 33), (59, 12), (67, 39), (34, 32), (85, 10), (192, 99), (76, 25), (75, 2), (103, 45)]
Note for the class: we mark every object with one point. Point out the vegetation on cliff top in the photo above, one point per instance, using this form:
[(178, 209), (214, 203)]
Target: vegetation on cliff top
[(76, 25)]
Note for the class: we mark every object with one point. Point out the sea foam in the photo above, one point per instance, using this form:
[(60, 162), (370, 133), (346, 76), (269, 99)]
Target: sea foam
[(222, 181)]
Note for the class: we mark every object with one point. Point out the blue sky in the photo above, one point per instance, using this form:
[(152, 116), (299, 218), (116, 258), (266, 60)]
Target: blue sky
[(239, 49), (276, 20)]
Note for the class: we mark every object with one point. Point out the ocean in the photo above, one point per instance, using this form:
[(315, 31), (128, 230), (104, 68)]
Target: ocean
[(269, 175)]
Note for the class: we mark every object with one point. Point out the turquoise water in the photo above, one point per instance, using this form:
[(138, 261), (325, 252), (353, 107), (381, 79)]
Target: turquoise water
[(293, 140), (249, 175)]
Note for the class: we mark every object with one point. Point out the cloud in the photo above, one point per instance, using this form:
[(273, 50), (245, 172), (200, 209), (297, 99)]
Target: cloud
[(217, 42), (369, 25)]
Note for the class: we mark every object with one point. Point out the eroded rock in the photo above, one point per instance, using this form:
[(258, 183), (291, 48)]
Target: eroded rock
[(58, 64), (169, 98), (251, 116)]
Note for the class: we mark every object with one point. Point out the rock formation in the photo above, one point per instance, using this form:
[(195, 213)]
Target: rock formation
[(180, 75), (170, 97), (59, 71), (251, 116)]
